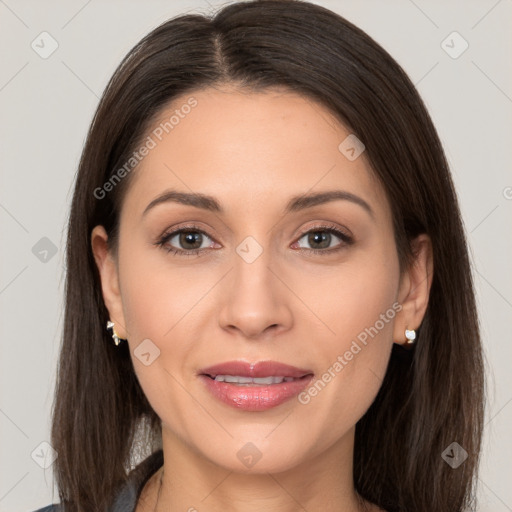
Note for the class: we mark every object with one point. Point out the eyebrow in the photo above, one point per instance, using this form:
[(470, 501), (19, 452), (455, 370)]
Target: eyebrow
[(295, 204)]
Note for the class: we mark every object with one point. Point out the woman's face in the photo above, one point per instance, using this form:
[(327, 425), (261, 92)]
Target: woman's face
[(255, 292)]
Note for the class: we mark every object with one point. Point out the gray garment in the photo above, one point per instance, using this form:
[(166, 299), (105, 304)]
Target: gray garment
[(126, 499)]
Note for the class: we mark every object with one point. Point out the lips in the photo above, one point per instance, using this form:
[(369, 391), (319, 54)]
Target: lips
[(260, 369), (254, 387)]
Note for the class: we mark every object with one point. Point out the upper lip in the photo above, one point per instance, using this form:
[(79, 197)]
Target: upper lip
[(258, 369)]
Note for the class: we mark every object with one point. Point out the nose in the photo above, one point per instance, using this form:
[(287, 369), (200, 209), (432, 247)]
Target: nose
[(255, 299)]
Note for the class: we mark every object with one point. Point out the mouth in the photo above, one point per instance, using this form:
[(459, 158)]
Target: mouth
[(252, 381), (254, 386), (258, 370)]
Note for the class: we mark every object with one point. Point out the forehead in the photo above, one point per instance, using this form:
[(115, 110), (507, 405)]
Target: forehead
[(253, 148)]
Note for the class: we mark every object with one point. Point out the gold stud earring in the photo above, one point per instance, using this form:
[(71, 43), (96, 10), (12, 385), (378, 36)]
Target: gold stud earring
[(115, 337)]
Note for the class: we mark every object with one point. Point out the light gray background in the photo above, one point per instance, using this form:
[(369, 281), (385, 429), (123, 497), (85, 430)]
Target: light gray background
[(47, 105)]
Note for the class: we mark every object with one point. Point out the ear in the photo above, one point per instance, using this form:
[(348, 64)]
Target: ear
[(414, 288), (107, 267)]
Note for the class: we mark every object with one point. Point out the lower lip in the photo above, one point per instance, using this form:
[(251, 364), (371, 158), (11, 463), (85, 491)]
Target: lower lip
[(255, 398)]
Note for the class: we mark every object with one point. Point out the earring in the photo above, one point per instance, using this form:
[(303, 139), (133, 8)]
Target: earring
[(115, 337), (411, 336)]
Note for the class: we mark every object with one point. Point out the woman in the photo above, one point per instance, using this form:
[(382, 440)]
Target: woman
[(269, 298)]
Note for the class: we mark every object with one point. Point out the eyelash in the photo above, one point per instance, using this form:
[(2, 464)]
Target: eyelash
[(346, 239)]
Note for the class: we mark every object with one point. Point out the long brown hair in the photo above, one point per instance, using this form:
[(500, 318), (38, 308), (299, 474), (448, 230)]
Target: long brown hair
[(431, 396)]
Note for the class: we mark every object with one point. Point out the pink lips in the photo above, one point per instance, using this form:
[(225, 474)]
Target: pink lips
[(254, 396)]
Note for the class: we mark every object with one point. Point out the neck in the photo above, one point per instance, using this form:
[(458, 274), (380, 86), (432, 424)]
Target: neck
[(188, 481)]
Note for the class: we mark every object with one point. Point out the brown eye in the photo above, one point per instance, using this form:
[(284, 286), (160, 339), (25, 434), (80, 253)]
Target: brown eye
[(188, 238), (322, 239), (185, 241)]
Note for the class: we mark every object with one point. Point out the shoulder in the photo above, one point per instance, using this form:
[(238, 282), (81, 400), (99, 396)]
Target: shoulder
[(126, 499)]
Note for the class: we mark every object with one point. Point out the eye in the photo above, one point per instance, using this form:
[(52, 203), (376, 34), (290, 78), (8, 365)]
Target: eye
[(190, 238), (321, 238)]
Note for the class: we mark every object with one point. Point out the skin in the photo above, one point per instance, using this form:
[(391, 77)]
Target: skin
[(253, 151)]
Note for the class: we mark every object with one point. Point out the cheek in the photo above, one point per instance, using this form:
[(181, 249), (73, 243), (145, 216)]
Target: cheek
[(160, 303), (157, 304), (352, 299), (155, 296), (358, 308)]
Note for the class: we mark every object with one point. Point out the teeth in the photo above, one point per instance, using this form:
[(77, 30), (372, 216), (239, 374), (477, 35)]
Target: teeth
[(236, 379)]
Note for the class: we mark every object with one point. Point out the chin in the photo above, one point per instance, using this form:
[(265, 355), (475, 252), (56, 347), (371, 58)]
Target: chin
[(255, 454)]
